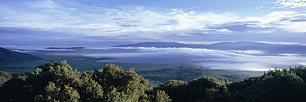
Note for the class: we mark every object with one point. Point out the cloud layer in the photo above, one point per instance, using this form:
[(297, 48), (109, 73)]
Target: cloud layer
[(109, 22), (231, 59), (291, 3)]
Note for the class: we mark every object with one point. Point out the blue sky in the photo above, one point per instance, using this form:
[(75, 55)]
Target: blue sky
[(114, 22)]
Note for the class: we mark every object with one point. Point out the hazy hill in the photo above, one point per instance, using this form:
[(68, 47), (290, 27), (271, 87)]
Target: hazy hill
[(156, 44), (74, 48), (8, 56)]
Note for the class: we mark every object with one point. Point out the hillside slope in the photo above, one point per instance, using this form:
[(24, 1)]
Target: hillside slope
[(7, 56)]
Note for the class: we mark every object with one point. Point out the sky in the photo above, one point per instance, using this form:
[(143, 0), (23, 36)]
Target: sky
[(115, 22)]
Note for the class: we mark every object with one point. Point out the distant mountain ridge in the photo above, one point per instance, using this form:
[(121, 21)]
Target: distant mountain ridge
[(155, 44), (8, 56), (242, 45), (75, 48)]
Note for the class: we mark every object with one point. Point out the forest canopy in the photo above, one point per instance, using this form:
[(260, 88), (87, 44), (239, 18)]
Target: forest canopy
[(59, 82)]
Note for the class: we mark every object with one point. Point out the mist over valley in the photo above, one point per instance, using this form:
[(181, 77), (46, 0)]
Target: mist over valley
[(252, 56)]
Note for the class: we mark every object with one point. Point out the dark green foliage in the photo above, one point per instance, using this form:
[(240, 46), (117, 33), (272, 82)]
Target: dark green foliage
[(14, 89), (52, 82), (4, 76), (58, 82), (201, 89), (112, 75), (299, 71), (276, 85), (189, 72), (206, 87), (57, 94), (118, 82), (175, 88), (162, 96), (7, 56)]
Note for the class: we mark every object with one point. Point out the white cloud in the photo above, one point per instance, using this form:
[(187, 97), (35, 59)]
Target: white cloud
[(237, 60), (288, 54), (278, 19), (57, 16), (283, 43), (294, 26), (261, 31), (266, 21), (291, 3), (191, 12), (260, 7), (224, 31), (249, 51), (141, 22), (175, 20)]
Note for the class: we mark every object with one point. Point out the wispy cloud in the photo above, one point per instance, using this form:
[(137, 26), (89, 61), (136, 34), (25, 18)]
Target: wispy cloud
[(291, 3), (176, 19), (260, 7), (280, 20), (139, 23)]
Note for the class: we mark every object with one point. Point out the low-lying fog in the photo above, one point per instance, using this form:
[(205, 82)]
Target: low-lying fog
[(216, 59), (256, 60)]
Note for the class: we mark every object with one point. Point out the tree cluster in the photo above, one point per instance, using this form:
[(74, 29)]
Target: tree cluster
[(57, 82), (278, 85)]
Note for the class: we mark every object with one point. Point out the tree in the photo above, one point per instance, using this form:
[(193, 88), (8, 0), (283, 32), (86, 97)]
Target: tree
[(49, 78), (4, 77), (275, 85), (176, 89), (116, 81), (57, 82), (52, 93), (162, 96)]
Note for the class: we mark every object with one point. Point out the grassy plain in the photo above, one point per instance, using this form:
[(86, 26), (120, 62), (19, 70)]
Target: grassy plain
[(157, 73)]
